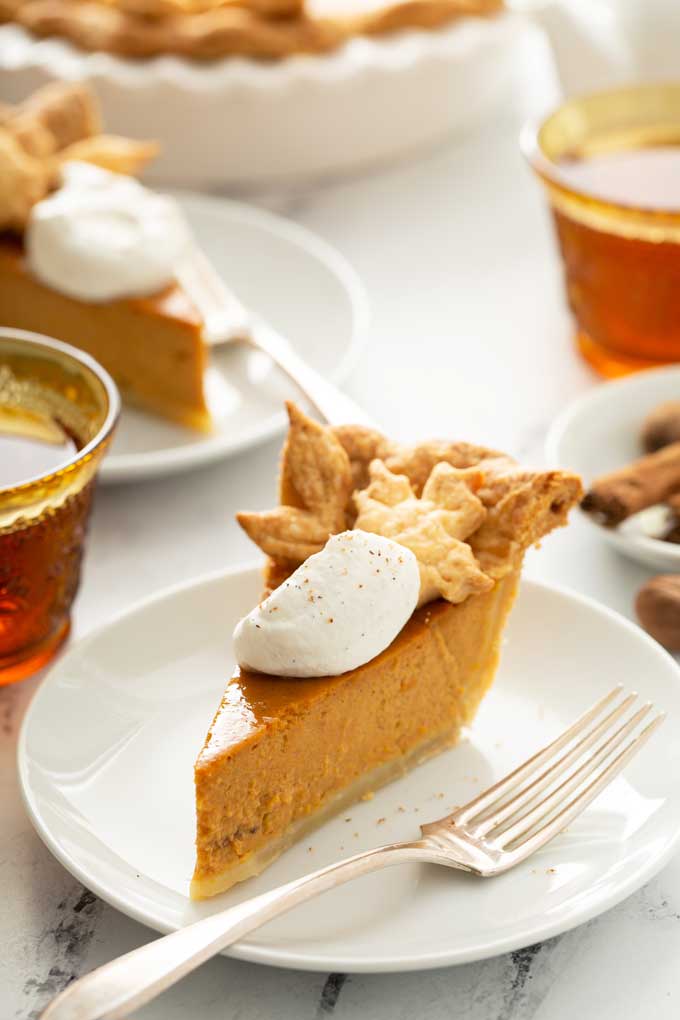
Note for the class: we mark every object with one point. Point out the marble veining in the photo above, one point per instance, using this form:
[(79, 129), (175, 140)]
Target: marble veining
[(64, 945), (330, 994)]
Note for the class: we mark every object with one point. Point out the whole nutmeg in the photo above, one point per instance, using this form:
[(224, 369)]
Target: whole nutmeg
[(658, 609), (661, 427)]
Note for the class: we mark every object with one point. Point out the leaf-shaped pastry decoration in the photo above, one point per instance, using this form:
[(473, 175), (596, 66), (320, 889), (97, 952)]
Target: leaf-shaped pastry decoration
[(315, 473), (433, 526), (531, 505), (58, 123), (362, 445), (285, 533), (111, 152), (466, 512), (23, 182), (315, 487), (417, 462)]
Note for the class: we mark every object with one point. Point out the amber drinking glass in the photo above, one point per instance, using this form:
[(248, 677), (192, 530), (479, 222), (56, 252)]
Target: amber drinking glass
[(610, 163), (58, 410)]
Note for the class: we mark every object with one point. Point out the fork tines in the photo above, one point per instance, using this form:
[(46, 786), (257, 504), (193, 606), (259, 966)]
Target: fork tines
[(541, 797)]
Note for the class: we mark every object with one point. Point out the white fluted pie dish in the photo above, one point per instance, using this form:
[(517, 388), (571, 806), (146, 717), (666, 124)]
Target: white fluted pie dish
[(243, 123)]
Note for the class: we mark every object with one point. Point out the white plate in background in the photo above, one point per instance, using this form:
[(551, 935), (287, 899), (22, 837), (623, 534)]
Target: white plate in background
[(295, 281), (600, 432), (106, 759)]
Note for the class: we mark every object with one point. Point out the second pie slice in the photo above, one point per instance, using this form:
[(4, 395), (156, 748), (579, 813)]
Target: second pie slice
[(151, 339)]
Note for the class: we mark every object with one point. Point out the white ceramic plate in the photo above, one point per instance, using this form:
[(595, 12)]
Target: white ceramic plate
[(108, 744), (599, 432), (297, 282)]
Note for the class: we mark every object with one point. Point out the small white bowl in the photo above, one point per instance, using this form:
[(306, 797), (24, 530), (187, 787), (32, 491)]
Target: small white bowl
[(600, 432)]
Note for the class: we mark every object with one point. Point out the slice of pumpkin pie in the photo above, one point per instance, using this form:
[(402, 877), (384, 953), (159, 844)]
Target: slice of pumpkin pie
[(390, 573), (87, 254)]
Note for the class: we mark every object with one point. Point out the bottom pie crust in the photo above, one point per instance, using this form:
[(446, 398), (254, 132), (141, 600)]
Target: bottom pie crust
[(257, 861)]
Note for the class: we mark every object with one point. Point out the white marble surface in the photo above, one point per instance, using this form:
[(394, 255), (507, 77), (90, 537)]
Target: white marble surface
[(469, 337)]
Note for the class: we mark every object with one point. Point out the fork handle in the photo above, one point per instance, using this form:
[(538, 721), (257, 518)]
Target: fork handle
[(117, 988), (326, 399)]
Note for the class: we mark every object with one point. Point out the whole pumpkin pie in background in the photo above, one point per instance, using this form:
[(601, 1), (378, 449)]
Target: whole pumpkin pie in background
[(210, 29), (283, 753), (152, 343)]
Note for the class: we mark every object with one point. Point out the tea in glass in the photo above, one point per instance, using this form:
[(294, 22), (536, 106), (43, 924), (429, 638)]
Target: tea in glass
[(611, 166), (58, 409)]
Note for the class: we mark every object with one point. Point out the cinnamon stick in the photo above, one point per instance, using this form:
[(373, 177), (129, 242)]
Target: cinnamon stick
[(649, 480), (661, 427)]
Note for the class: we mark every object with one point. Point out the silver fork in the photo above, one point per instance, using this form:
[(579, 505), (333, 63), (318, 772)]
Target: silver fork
[(486, 837), (228, 321)]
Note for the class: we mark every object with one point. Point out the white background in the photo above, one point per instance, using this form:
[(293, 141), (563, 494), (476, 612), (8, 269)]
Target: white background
[(470, 339)]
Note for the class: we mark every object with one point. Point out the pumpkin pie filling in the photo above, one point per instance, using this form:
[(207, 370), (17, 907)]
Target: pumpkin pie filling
[(283, 754)]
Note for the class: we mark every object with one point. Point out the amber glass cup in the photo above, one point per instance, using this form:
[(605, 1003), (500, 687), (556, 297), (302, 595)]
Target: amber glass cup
[(621, 261), (46, 387)]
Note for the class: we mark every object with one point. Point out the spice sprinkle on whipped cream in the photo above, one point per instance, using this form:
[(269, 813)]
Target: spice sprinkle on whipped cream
[(340, 608), (103, 235)]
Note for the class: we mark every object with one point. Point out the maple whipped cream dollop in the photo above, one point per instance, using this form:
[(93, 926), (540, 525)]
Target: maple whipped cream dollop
[(341, 608), (102, 236)]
